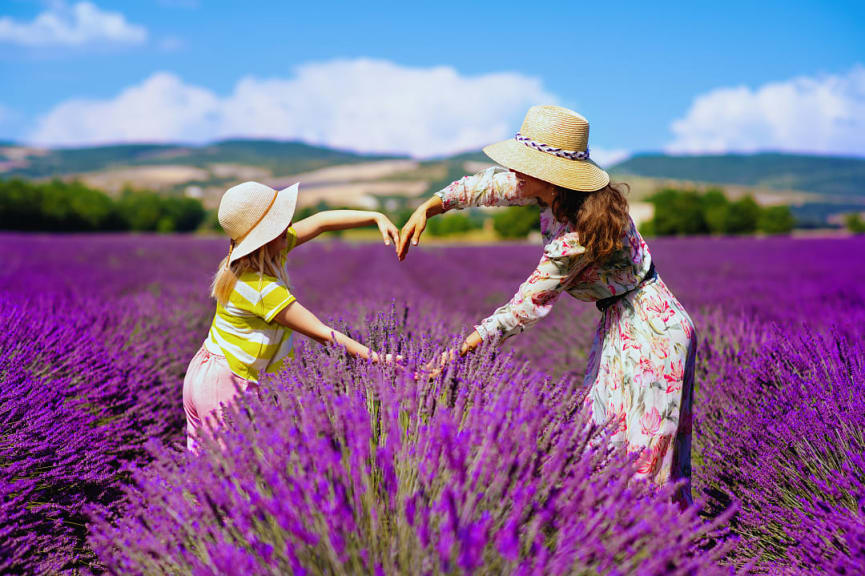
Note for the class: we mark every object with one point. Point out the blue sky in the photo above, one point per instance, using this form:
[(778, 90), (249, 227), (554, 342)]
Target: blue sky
[(685, 77)]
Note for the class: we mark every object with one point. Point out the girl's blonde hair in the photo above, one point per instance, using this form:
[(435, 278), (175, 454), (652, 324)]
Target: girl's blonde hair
[(264, 260)]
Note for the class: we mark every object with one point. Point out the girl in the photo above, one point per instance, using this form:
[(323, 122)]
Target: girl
[(256, 314), (641, 366)]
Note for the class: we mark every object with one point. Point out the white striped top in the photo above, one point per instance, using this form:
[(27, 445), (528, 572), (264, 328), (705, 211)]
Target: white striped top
[(243, 329)]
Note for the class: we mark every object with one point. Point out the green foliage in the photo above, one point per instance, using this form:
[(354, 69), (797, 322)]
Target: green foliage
[(55, 205), (647, 228), (680, 212), (854, 223), (211, 221), (400, 216), (776, 220), (449, 224), (715, 206), (140, 210), (516, 221), (73, 207), (742, 216)]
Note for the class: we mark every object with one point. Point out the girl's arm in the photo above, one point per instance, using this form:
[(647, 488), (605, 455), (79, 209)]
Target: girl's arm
[(309, 228), (301, 320)]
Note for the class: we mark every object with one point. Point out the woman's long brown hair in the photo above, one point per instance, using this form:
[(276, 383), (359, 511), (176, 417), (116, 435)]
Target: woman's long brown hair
[(599, 218)]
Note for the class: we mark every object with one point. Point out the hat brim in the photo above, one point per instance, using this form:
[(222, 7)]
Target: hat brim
[(274, 223), (581, 175)]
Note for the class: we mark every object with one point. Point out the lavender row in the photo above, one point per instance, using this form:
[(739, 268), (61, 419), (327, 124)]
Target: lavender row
[(347, 468), (97, 331)]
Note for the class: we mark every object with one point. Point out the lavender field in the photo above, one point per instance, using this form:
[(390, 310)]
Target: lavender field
[(343, 467)]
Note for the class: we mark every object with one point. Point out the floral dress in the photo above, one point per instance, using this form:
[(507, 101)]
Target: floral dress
[(641, 365)]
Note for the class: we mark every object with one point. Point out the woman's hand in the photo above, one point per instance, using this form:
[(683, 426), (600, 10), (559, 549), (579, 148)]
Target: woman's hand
[(388, 231), (411, 231), (471, 342), (434, 367), (416, 225)]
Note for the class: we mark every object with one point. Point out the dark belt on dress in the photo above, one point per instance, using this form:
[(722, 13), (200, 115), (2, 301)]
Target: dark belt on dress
[(605, 303)]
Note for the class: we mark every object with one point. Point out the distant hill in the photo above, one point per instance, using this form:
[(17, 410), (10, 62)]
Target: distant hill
[(829, 176), (279, 158), (818, 187)]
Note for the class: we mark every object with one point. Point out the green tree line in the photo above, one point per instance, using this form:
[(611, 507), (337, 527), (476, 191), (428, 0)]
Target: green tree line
[(688, 212), (59, 206), (854, 223)]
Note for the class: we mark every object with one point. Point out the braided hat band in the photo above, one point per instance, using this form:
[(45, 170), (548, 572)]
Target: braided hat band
[(569, 154), (553, 145)]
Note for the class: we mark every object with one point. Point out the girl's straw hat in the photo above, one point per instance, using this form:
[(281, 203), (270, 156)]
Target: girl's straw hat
[(254, 214), (553, 145)]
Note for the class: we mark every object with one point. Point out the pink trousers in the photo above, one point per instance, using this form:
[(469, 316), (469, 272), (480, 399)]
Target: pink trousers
[(208, 382)]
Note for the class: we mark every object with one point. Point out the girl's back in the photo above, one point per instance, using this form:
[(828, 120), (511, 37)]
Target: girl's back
[(243, 328)]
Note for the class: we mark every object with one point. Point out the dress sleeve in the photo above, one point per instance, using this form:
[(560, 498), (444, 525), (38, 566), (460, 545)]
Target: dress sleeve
[(494, 186), (535, 297)]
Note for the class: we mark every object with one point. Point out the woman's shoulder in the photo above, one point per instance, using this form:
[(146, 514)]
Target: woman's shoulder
[(565, 243), (501, 177), (562, 241)]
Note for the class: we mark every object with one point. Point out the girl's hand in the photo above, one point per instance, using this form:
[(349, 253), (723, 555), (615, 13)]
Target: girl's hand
[(388, 230), (387, 358)]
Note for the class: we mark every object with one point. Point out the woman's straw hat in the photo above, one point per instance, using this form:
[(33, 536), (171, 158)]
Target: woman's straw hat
[(254, 214), (553, 145)]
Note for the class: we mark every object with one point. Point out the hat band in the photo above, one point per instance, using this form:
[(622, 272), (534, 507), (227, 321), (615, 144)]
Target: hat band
[(569, 154), (239, 239)]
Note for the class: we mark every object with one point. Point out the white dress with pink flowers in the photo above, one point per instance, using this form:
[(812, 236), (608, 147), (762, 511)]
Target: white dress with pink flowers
[(641, 366)]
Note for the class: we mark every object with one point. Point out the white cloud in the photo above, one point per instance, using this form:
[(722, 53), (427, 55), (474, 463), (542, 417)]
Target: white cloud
[(162, 108), (608, 157), (62, 25), (364, 105), (822, 114)]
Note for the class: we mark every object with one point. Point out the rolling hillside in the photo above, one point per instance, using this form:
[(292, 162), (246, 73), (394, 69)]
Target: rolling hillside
[(819, 188), (831, 177), (278, 158)]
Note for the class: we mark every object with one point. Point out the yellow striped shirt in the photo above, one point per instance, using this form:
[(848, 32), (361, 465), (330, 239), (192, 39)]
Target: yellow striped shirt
[(243, 329)]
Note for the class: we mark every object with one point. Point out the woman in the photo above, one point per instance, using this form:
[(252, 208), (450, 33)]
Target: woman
[(641, 366)]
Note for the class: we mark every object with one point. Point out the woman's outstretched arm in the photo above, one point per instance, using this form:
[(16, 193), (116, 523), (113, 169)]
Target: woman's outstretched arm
[(494, 186), (535, 297), (329, 220)]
